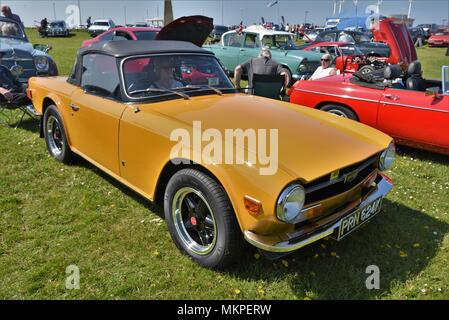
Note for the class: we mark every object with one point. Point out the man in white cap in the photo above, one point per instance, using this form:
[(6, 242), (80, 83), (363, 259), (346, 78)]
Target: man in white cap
[(325, 70)]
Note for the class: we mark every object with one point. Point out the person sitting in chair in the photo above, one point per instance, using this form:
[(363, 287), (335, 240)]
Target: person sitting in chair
[(325, 70), (11, 90), (263, 65)]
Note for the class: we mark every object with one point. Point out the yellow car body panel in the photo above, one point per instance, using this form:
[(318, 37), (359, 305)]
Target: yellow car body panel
[(131, 141)]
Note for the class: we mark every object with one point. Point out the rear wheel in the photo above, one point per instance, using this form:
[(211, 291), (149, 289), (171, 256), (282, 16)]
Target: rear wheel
[(340, 111), (201, 220), (55, 136)]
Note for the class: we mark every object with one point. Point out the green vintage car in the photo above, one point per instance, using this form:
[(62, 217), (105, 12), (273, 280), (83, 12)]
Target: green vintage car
[(236, 48)]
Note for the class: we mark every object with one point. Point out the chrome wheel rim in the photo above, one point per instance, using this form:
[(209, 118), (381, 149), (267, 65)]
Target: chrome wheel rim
[(338, 113), (54, 136), (366, 71), (194, 221)]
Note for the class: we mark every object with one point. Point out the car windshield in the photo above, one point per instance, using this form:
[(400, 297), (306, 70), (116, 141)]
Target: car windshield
[(11, 29), (145, 35), (100, 23), (156, 75), (57, 24), (360, 37), (282, 41)]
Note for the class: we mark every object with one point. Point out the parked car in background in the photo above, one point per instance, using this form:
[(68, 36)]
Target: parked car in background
[(310, 35), (100, 26), (125, 33), (21, 57), (429, 28), (58, 28), (416, 114), (217, 32), (347, 57), (361, 39), (416, 33), (392, 40), (236, 48), (440, 39), (141, 25), (113, 116)]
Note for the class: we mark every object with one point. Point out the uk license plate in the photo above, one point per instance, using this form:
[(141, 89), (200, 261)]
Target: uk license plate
[(358, 217)]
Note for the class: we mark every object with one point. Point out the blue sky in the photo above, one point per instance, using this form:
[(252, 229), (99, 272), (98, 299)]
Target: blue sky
[(224, 11)]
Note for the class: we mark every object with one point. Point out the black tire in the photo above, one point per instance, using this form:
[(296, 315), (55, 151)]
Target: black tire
[(340, 111), (55, 136), (289, 76), (366, 69), (226, 243)]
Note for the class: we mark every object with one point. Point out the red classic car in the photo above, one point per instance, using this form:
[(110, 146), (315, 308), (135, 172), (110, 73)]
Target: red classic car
[(416, 114), (125, 33), (348, 57), (440, 39)]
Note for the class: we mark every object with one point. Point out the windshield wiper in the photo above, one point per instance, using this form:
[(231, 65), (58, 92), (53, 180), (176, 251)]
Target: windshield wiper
[(182, 95), (202, 87)]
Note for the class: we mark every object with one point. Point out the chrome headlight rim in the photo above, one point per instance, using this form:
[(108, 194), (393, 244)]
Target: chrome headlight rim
[(387, 157), (287, 193), (42, 63)]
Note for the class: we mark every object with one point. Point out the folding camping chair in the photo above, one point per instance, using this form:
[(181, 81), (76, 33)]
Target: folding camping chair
[(11, 113), (268, 86)]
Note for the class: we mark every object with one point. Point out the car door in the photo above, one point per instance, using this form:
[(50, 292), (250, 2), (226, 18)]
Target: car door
[(96, 112), (229, 52), (415, 117), (251, 47)]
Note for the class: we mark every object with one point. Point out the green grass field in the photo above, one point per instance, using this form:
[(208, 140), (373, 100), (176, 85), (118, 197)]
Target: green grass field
[(52, 216)]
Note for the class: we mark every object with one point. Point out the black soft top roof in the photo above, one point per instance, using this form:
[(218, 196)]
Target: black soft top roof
[(127, 48)]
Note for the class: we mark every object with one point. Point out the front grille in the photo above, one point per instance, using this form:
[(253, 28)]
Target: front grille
[(29, 69), (324, 187)]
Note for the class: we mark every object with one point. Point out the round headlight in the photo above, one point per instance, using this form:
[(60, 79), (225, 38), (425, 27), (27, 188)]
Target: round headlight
[(303, 68), (387, 157), (290, 203), (41, 63)]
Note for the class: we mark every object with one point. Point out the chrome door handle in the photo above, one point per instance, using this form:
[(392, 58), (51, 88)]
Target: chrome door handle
[(391, 97), (74, 107)]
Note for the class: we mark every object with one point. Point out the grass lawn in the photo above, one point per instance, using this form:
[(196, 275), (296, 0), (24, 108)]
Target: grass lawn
[(52, 216)]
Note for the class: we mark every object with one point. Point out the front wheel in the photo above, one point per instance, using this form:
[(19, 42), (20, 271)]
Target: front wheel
[(201, 220), (340, 111), (55, 136)]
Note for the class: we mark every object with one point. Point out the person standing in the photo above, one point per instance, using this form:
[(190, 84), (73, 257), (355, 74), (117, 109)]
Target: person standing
[(89, 22), (7, 13), (43, 28), (261, 65)]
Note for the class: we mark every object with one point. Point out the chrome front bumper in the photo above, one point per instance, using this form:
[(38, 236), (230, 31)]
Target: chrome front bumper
[(326, 229)]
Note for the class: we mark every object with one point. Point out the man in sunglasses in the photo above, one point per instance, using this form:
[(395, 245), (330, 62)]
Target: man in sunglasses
[(325, 70)]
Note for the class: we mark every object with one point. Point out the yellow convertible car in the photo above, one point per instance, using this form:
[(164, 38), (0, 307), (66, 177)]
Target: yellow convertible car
[(163, 118)]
